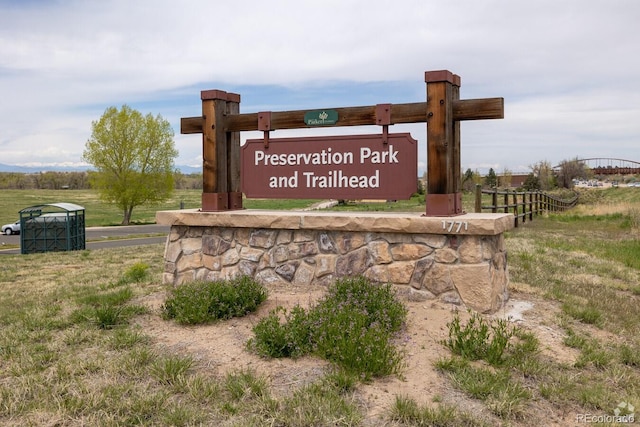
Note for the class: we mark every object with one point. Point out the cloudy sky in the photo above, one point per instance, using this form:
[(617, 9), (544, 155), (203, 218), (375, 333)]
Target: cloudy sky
[(569, 70)]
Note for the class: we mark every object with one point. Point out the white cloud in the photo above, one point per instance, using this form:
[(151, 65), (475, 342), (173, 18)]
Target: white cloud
[(567, 70)]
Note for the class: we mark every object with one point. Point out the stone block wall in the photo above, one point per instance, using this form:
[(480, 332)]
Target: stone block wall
[(463, 269)]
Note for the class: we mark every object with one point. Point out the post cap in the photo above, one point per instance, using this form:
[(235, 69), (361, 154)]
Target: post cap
[(209, 95), (442, 76)]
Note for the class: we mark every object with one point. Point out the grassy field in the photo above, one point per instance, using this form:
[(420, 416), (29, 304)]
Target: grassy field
[(71, 355), (99, 213)]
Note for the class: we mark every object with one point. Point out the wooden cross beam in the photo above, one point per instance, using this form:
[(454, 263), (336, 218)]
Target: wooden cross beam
[(221, 123)]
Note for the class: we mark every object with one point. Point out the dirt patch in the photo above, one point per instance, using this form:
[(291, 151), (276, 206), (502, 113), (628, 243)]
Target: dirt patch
[(220, 347)]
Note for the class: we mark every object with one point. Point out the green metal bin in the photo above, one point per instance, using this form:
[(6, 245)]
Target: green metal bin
[(52, 227)]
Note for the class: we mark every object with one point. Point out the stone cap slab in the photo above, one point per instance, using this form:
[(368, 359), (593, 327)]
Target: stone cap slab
[(382, 222)]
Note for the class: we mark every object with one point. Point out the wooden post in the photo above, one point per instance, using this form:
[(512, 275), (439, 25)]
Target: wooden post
[(494, 200), (515, 206), (220, 153), (233, 165), (478, 198), (443, 145)]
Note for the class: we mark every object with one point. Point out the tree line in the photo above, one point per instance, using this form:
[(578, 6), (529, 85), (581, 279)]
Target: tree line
[(133, 159), (542, 177), (77, 181)]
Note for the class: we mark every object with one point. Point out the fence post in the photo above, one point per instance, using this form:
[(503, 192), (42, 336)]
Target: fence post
[(494, 201), (515, 207), (530, 206), (506, 201), (478, 208)]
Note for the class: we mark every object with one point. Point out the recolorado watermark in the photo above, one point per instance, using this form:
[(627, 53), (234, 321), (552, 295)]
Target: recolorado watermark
[(624, 413)]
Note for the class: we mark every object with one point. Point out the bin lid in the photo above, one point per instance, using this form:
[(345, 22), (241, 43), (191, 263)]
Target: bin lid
[(69, 207)]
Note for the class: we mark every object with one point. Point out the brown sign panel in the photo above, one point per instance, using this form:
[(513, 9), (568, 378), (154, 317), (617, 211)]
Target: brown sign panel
[(331, 167)]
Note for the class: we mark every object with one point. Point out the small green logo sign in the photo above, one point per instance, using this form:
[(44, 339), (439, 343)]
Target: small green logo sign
[(321, 118)]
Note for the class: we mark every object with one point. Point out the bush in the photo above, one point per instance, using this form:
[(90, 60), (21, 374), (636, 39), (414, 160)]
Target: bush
[(288, 339), (352, 326), (203, 302), (479, 339)]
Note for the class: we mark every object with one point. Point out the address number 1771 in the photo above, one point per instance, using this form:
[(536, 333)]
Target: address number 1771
[(454, 226)]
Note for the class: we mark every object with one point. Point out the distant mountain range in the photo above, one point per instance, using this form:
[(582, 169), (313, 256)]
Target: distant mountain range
[(187, 170)]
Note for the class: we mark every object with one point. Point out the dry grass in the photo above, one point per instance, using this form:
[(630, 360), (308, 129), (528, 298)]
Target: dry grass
[(627, 209), (58, 366)]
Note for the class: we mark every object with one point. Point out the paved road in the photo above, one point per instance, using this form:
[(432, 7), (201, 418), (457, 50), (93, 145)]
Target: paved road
[(105, 237)]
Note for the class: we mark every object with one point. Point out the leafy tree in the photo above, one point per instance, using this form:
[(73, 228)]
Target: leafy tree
[(531, 183), (470, 179), (133, 156), (571, 169), (467, 179), (491, 179), (546, 176), (504, 180)]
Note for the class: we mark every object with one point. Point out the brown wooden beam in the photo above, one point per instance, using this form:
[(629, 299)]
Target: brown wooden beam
[(478, 109), (467, 109), (191, 125)]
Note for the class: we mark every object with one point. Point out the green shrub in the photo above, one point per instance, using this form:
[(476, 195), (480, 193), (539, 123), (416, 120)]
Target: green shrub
[(352, 326), (479, 339), (345, 335), (203, 302), (278, 339), (377, 303)]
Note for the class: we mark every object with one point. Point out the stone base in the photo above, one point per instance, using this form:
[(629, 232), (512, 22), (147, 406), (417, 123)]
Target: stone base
[(460, 260)]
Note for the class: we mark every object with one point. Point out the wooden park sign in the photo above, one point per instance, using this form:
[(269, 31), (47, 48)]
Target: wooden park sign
[(223, 168), (333, 167)]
